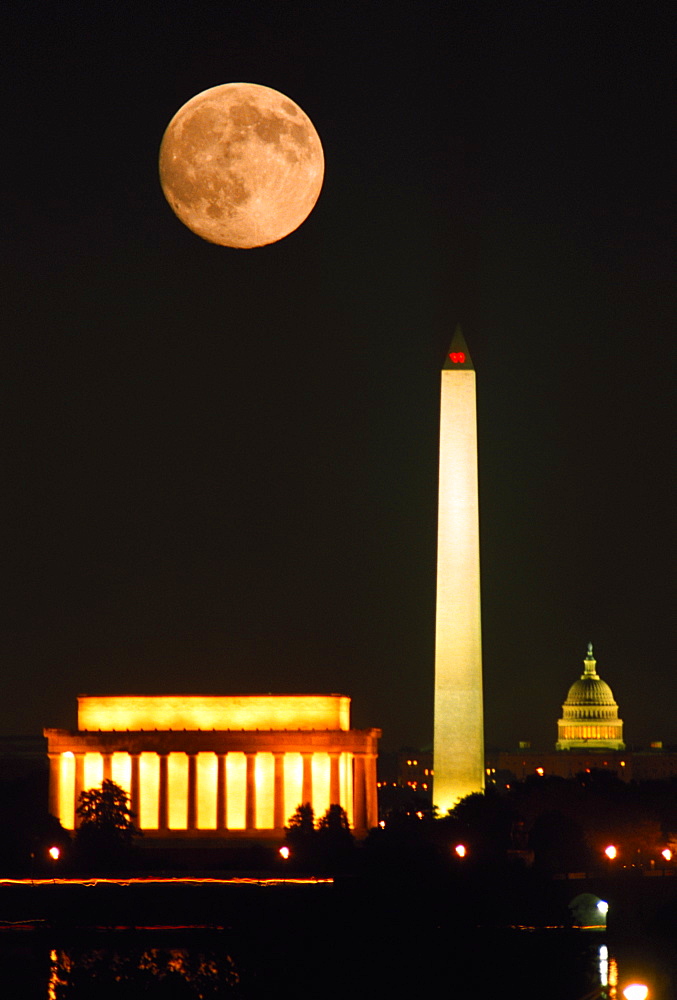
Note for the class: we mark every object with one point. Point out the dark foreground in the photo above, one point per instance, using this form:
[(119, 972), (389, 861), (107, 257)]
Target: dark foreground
[(349, 938)]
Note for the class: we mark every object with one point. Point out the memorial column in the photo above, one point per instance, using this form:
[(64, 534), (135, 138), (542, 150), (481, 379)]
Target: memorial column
[(370, 791), (192, 791), (334, 782), (250, 791), (307, 783), (134, 797), (359, 803), (221, 794), (79, 783), (278, 793), (163, 804), (54, 803)]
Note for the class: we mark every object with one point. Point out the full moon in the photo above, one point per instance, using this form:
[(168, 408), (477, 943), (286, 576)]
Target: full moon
[(241, 165)]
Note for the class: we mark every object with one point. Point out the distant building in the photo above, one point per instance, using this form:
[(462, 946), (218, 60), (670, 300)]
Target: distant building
[(415, 770), (504, 766), (590, 737), (217, 766), (590, 714)]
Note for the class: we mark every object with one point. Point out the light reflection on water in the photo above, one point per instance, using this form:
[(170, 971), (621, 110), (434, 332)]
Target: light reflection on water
[(112, 968), (200, 965), (608, 974), (353, 958)]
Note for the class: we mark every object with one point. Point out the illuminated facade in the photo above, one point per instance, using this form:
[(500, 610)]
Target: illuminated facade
[(458, 750), (590, 714), (217, 766)]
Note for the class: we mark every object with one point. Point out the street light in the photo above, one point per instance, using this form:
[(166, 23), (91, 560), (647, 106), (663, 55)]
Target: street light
[(611, 852), (636, 991)]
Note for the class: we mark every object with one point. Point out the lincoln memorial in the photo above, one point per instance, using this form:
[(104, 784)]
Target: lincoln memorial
[(217, 766)]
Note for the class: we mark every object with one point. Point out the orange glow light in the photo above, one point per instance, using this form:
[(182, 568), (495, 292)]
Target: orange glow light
[(667, 854), (221, 712), (636, 991), (165, 881), (54, 853), (461, 850), (611, 852), (284, 853)]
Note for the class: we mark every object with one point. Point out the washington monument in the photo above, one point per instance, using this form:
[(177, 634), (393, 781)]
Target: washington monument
[(458, 751)]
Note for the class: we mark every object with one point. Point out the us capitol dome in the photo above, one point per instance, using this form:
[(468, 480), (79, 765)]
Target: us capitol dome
[(590, 714)]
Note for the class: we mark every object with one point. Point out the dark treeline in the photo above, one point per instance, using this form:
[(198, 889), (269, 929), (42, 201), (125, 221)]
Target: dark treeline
[(549, 824), (554, 824)]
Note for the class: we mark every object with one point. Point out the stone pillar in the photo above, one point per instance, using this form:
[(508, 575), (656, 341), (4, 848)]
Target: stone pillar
[(192, 791), (278, 800), (221, 794), (307, 785), (107, 766), (370, 791), (334, 782), (79, 783), (250, 792), (54, 802), (359, 798), (163, 804), (134, 797)]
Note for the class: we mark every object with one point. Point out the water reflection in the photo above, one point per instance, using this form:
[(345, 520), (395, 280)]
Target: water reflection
[(608, 974), (264, 959), (143, 967), (200, 964)]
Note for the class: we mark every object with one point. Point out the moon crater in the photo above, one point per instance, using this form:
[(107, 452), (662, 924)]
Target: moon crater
[(241, 165)]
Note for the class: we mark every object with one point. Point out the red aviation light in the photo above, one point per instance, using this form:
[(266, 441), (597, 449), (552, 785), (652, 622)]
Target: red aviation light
[(457, 357)]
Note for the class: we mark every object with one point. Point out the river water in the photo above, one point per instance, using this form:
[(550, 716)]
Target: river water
[(304, 942), (206, 962)]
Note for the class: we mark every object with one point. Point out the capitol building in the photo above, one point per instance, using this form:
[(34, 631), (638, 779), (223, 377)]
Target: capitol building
[(590, 714), (589, 737)]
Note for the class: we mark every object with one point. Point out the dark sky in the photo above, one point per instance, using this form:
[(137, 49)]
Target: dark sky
[(220, 465)]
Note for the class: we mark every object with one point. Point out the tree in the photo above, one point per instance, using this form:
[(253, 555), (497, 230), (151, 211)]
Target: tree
[(301, 826), (335, 841), (107, 809), (334, 821), (106, 826)]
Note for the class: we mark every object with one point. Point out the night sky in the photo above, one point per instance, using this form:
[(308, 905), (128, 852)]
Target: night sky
[(220, 466)]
